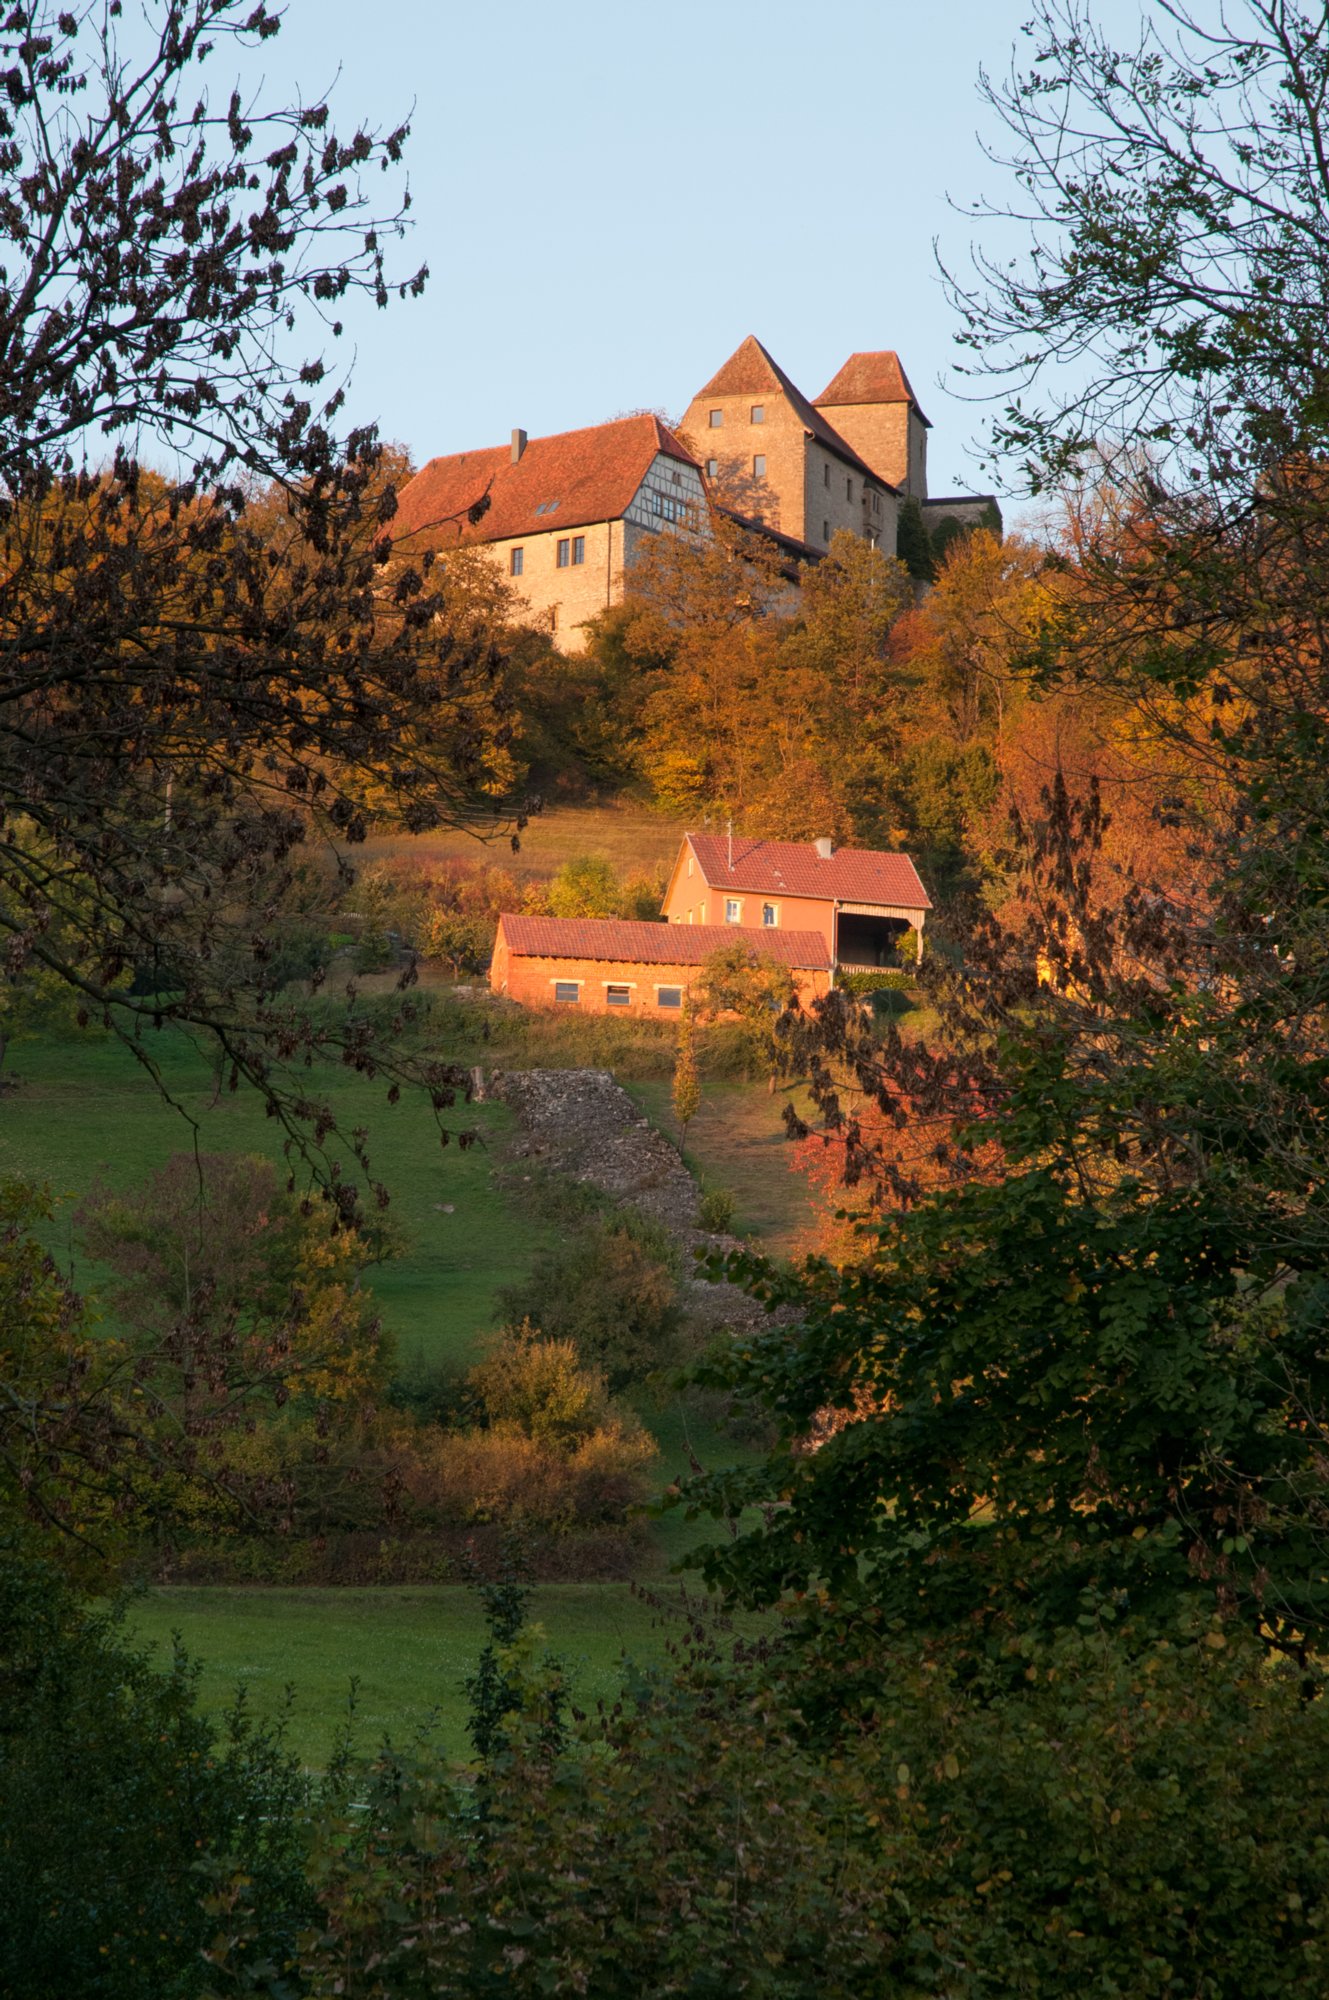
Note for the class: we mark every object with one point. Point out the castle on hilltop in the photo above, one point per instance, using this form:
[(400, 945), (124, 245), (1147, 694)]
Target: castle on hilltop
[(565, 517)]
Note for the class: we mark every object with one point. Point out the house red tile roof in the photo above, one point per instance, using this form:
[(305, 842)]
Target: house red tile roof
[(850, 875), (752, 371), (559, 482), (620, 941), (870, 378)]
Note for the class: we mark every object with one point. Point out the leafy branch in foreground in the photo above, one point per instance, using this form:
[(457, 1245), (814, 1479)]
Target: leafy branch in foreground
[(204, 675)]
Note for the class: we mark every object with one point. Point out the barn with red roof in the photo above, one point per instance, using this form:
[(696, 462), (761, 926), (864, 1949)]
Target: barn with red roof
[(859, 901)]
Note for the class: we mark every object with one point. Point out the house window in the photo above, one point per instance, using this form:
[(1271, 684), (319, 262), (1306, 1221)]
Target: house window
[(712, 468), (770, 915), (689, 864), (515, 561), (669, 996), (567, 992), (758, 413), (579, 548), (759, 465), (717, 420), (564, 553), (733, 910), (618, 996)]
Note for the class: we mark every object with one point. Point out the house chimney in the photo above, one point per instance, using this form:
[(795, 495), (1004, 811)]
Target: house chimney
[(825, 847), (518, 445)]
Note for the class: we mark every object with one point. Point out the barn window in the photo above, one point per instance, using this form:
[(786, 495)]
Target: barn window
[(618, 996), (567, 992), (769, 915), (516, 561), (733, 910), (669, 996)]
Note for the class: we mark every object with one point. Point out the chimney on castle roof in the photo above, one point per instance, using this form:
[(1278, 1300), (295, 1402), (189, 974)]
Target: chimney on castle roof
[(825, 847), (518, 445)]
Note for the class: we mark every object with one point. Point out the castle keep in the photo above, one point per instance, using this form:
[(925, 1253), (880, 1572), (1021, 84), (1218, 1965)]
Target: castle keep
[(564, 517)]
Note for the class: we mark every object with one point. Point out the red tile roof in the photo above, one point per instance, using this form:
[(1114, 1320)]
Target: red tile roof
[(577, 477), (752, 371), (870, 378), (850, 875), (618, 941)]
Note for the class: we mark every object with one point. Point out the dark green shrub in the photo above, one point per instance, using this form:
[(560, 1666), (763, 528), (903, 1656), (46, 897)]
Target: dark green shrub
[(116, 1802), (611, 1289)]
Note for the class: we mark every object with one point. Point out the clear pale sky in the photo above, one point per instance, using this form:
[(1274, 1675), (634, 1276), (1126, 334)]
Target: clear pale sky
[(610, 196)]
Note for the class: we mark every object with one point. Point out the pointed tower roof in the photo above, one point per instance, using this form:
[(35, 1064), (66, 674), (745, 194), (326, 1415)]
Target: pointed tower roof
[(876, 377), (752, 371)]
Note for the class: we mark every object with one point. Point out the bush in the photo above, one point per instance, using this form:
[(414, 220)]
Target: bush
[(875, 980), (1144, 1824), (611, 1290), (116, 1801), (715, 1212)]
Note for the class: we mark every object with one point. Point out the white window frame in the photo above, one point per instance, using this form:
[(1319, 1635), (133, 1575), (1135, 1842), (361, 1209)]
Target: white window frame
[(734, 903), (770, 916)]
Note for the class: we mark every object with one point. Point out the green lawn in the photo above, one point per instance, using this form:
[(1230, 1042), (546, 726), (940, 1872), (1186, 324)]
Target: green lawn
[(408, 1649), (737, 1141), (85, 1109)]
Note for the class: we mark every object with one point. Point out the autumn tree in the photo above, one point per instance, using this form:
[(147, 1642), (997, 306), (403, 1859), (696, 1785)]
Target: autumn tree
[(201, 670), (1097, 1380)]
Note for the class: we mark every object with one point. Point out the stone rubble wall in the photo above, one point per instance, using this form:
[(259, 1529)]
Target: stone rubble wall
[(582, 1124)]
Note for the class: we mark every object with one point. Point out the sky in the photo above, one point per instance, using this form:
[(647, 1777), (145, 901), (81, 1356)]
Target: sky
[(610, 196)]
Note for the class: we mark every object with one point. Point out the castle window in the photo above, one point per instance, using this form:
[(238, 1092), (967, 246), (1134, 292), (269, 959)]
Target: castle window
[(826, 475), (515, 561), (717, 420), (564, 553), (579, 548), (759, 466), (758, 413), (826, 531), (553, 618), (876, 503), (712, 468), (849, 489)]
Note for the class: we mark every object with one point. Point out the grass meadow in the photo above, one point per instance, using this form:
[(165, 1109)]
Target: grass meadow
[(84, 1110), (296, 1652)]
